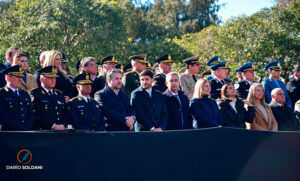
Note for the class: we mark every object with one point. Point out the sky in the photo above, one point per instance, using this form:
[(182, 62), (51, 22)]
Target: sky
[(239, 7)]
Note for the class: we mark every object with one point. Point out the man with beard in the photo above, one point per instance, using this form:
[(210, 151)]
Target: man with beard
[(115, 103), (149, 104)]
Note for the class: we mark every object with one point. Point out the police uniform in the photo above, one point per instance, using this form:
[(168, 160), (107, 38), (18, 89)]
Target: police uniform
[(270, 84), (85, 113), (293, 88), (160, 79), (131, 80), (49, 107), (216, 84), (188, 81), (243, 86), (15, 106)]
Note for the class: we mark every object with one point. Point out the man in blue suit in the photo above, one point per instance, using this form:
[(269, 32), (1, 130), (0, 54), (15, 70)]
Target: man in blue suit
[(115, 103), (84, 112), (274, 81), (16, 109), (179, 115), (149, 104)]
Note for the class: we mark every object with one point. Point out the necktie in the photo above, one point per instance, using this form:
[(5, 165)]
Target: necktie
[(88, 100), (17, 92), (50, 93), (178, 99), (194, 77)]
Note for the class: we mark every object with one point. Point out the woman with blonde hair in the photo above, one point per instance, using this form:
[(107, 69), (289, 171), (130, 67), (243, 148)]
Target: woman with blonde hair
[(204, 109), (53, 57), (263, 118), (28, 80)]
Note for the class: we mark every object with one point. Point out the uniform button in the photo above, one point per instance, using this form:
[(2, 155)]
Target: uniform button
[(57, 118), (22, 115), (40, 128), (21, 103), (55, 107), (23, 121), (11, 106), (57, 113), (22, 109)]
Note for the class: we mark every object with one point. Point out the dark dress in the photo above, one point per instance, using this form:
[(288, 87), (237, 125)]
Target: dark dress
[(238, 118), (206, 112)]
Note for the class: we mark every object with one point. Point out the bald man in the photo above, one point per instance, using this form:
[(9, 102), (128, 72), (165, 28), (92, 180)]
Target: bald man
[(284, 115)]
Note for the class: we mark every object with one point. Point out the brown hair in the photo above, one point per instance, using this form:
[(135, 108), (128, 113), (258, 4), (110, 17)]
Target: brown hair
[(17, 57), (224, 90)]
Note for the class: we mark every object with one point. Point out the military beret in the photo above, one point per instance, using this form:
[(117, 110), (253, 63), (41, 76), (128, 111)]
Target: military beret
[(14, 70)]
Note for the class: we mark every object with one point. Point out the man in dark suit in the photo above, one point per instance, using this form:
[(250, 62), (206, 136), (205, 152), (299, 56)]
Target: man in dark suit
[(165, 66), (293, 87), (84, 112), (88, 65), (15, 105), (149, 104), (179, 115), (48, 103), (284, 115), (115, 103), (248, 74)]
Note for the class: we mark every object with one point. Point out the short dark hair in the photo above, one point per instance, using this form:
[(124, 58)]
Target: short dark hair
[(9, 52), (147, 73)]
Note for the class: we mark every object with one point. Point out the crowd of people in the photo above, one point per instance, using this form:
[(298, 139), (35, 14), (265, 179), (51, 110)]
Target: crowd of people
[(107, 96)]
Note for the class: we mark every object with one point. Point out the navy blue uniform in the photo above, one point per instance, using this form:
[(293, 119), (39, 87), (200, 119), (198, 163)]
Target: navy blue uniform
[(115, 108), (271, 84), (49, 109), (160, 82), (150, 112), (242, 89), (179, 114), (206, 112), (85, 115), (16, 110), (293, 88), (216, 87)]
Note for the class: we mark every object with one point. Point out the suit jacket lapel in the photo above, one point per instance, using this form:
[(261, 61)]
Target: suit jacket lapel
[(261, 114)]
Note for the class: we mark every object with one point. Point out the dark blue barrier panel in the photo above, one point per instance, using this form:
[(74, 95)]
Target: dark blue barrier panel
[(208, 154)]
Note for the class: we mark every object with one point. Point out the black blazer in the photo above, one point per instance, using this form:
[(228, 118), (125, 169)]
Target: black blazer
[(150, 112), (236, 119), (174, 111), (113, 109), (285, 117)]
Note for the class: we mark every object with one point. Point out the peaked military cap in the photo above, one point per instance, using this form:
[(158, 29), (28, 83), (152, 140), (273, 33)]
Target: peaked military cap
[(222, 65), (14, 70), (214, 60), (164, 59), (48, 71), (148, 66), (273, 66), (247, 66), (120, 66), (139, 58), (83, 78), (63, 58), (108, 59), (127, 68), (192, 60)]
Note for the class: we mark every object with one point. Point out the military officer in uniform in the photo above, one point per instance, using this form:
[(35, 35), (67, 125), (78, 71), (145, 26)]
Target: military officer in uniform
[(211, 62), (220, 71), (165, 66), (84, 112), (189, 78), (15, 105), (88, 65), (293, 86), (248, 74), (48, 103), (273, 81), (131, 80)]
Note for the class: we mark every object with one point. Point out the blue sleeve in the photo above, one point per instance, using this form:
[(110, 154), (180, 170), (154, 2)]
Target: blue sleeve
[(199, 115), (267, 92)]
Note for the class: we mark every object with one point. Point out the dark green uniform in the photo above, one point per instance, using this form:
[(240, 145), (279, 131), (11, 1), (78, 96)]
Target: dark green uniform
[(131, 81)]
